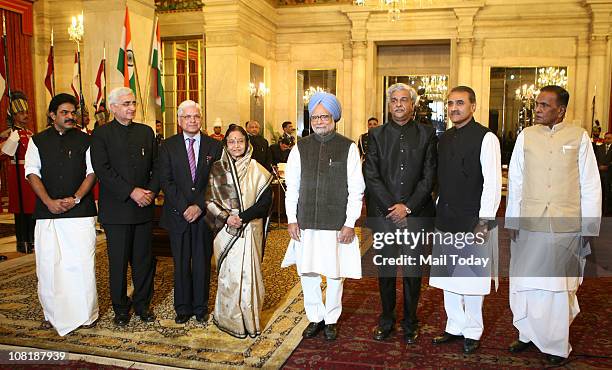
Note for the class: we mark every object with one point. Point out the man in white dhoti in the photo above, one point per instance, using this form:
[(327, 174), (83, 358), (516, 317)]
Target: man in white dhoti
[(58, 167), (469, 184), (323, 200), (553, 212)]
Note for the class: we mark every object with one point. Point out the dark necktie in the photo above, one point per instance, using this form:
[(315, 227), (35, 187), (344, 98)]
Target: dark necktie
[(192, 160)]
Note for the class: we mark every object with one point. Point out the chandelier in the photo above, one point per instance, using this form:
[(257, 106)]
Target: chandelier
[(552, 76), (393, 7), (526, 93), (435, 86), (308, 93)]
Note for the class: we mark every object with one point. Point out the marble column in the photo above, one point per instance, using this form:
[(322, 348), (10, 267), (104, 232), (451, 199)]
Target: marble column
[(582, 104), (357, 90)]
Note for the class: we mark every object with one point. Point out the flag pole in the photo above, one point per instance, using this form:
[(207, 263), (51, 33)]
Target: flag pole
[(52, 58), (138, 88), (148, 81), (104, 66)]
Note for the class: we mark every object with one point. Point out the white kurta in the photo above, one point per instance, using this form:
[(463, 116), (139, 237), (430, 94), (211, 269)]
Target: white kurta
[(490, 161), (65, 262), (318, 251), (544, 307)]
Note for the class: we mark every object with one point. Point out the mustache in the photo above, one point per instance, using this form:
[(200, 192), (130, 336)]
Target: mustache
[(70, 120)]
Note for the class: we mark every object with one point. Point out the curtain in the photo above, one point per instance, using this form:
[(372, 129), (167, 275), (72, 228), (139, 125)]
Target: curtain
[(20, 67)]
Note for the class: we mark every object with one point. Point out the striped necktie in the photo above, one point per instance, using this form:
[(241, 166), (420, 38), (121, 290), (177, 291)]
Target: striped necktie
[(192, 160)]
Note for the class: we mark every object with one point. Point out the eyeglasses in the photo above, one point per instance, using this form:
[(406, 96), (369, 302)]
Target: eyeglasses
[(323, 117), (236, 142), (190, 117)]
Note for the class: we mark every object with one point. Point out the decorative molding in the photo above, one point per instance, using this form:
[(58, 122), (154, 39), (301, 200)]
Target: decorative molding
[(24, 8)]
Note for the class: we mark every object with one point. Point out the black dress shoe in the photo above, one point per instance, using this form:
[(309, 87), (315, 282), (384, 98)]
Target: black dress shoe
[(555, 360), (410, 337), (445, 338), (470, 345), (331, 332), (313, 329), (202, 318), (121, 319), (181, 318), (518, 346), (382, 333), (147, 316)]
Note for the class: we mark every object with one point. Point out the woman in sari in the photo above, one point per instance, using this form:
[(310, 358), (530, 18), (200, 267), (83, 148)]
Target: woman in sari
[(238, 198)]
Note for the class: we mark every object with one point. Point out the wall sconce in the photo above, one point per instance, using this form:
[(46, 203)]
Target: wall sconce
[(258, 91)]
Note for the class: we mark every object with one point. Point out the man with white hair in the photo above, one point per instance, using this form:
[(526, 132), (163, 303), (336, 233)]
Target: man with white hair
[(124, 158), (324, 191), (185, 160), (400, 169)]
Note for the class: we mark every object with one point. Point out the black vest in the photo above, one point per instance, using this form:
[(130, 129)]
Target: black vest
[(323, 182), (63, 169), (460, 177)]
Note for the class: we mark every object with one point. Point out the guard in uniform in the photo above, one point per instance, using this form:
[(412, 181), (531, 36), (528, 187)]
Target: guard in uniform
[(14, 145)]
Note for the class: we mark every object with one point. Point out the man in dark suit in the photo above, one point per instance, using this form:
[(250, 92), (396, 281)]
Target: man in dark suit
[(399, 171), (261, 149), (603, 153), (124, 158), (280, 151), (184, 162)]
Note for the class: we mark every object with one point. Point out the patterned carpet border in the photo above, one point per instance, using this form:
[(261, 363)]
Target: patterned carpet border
[(162, 343)]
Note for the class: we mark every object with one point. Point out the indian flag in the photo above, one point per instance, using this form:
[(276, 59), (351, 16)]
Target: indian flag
[(125, 62), (156, 65)]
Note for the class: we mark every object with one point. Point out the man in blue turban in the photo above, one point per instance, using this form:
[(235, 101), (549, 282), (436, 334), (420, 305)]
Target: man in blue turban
[(323, 200)]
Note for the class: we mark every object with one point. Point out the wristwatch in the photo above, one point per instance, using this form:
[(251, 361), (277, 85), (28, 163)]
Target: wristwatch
[(77, 200), (408, 211)]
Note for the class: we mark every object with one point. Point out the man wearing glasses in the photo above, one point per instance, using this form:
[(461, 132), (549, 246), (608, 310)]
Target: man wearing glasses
[(185, 160), (324, 190), (124, 158)]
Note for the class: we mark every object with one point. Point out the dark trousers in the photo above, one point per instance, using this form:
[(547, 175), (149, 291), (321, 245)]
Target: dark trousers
[(411, 281), (24, 232), (130, 244), (191, 251)]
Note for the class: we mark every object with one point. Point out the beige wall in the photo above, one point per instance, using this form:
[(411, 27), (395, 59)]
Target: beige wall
[(481, 33), (103, 21)]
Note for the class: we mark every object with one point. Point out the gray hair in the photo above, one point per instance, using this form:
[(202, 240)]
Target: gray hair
[(116, 93), (401, 86), (187, 104)]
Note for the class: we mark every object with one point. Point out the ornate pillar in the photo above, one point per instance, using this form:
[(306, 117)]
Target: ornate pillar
[(227, 65), (482, 109), (465, 34), (359, 46), (581, 85), (358, 89), (599, 62), (347, 97), (283, 90)]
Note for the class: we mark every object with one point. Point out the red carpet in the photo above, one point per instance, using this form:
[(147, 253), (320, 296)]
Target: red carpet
[(355, 348)]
